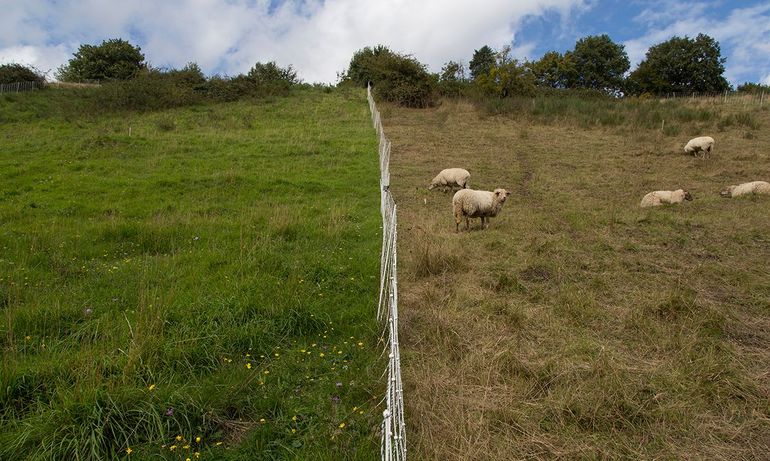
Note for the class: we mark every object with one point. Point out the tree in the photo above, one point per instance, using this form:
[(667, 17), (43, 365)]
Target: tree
[(451, 79), (553, 70), (395, 77), (507, 77), (681, 65), (482, 62), (753, 88), (599, 64), (366, 65), (12, 73), (271, 74), (191, 75), (114, 59)]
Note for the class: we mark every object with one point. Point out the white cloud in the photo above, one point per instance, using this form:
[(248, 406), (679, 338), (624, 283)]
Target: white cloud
[(744, 34), (39, 57), (317, 37)]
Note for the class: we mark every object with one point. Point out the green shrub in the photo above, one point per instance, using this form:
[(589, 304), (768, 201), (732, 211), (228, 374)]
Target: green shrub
[(12, 73), (396, 78)]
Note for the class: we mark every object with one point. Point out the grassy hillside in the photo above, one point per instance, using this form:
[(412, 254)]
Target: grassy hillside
[(579, 326), (197, 280)]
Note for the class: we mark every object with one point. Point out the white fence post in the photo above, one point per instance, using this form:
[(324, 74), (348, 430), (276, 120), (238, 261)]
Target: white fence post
[(393, 437)]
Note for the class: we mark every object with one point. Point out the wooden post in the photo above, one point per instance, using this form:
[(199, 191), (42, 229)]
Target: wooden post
[(762, 97), (662, 125)]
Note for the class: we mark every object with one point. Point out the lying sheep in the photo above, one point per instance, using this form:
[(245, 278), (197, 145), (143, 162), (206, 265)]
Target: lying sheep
[(748, 188), (702, 144), (482, 204), (450, 178), (659, 197)]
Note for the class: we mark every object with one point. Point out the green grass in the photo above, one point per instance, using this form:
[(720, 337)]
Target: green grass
[(147, 258)]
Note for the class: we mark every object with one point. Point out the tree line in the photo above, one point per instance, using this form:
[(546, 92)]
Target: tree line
[(596, 64)]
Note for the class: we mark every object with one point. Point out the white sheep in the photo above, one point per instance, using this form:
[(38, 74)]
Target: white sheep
[(482, 204), (450, 178), (659, 197), (748, 188), (702, 144)]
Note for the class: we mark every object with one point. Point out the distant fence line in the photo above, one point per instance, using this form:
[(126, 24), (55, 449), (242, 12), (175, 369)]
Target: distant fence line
[(393, 437), (18, 87), (724, 97)]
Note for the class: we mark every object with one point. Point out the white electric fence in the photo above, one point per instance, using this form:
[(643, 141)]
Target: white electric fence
[(393, 446)]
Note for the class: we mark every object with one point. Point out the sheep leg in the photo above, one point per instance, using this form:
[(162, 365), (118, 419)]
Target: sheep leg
[(467, 223)]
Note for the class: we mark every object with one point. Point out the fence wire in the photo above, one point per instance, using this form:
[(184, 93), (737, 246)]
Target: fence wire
[(393, 438), (19, 87)]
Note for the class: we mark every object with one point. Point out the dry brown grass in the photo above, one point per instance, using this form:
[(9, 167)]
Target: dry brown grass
[(579, 326)]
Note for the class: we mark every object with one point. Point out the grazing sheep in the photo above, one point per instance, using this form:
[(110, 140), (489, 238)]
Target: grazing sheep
[(477, 204), (450, 178), (748, 188), (702, 144), (659, 197)]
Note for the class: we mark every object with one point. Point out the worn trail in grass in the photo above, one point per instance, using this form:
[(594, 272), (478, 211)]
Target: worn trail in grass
[(579, 326), (197, 280)]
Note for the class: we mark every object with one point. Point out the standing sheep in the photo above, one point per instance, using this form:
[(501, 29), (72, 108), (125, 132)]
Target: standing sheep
[(748, 188), (659, 197), (450, 178), (702, 144), (477, 204)]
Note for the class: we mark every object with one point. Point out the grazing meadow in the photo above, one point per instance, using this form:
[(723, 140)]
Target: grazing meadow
[(580, 326), (196, 282)]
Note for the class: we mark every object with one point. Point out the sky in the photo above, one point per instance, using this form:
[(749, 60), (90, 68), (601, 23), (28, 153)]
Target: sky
[(318, 37)]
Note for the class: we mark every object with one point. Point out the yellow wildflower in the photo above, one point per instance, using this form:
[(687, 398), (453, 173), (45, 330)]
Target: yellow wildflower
[(129, 450), (197, 454), (342, 425), (152, 387), (172, 447), (248, 366), (267, 372), (186, 447), (198, 439), (294, 418), (262, 420), (293, 430), (321, 354), (360, 344), (178, 438), (218, 443)]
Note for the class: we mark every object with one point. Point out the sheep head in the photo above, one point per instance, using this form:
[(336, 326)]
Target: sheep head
[(501, 195), (687, 196)]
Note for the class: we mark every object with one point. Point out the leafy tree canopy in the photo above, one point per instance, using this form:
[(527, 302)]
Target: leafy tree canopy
[(553, 70), (12, 73), (681, 65), (483, 61), (599, 64), (507, 77), (114, 59), (754, 88), (395, 77), (271, 74)]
